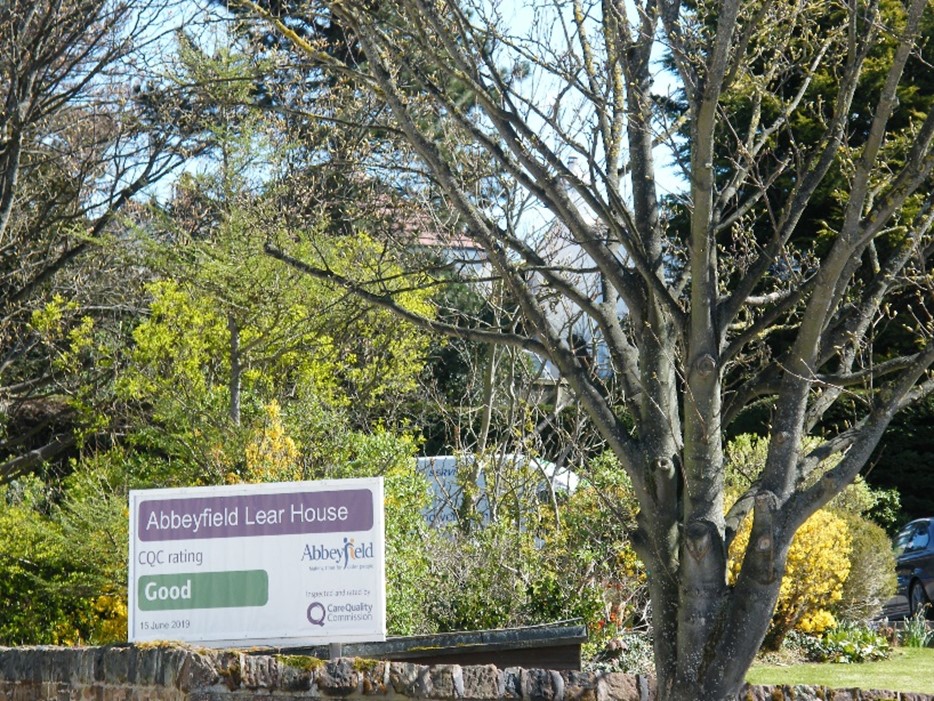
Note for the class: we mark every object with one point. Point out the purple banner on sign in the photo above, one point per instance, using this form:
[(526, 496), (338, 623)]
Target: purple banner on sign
[(256, 515)]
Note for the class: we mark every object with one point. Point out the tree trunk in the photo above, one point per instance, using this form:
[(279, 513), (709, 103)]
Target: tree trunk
[(236, 370)]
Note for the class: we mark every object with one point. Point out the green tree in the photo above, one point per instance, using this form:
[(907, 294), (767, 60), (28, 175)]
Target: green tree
[(903, 463), (232, 335), (291, 343), (209, 362), (75, 152)]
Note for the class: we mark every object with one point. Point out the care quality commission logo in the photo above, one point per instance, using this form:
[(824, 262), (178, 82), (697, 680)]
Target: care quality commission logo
[(316, 614)]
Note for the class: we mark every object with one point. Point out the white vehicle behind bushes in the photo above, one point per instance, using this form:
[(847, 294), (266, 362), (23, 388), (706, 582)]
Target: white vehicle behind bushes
[(492, 487)]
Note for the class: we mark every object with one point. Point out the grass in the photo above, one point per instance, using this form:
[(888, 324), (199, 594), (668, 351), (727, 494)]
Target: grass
[(908, 670)]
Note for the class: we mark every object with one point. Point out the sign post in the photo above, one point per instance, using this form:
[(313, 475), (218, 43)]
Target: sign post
[(293, 563)]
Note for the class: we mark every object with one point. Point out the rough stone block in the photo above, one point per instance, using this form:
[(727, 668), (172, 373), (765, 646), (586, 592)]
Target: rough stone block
[(579, 686), (648, 688), (56, 691), (512, 683), (195, 670), (447, 682), (119, 693), (85, 665), (171, 660), (877, 695), (54, 664), (760, 693), (146, 667), (116, 665), (482, 682), (338, 678), (408, 679), (223, 695), (616, 686), (26, 691), (296, 673), (542, 685), (159, 694), (7, 666), (14, 667), (374, 677), (227, 664), (259, 671)]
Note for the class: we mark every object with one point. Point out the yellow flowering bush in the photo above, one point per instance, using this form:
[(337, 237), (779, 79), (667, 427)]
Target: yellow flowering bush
[(818, 564), (271, 455), (816, 622), (110, 618)]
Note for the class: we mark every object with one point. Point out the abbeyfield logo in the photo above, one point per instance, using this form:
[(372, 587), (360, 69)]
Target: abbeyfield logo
[(341, 556)]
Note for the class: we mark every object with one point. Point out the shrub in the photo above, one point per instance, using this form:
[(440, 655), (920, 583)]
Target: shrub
[(872, 571), (630, 652), (63, 564), (595, 528), (847, 643), (817, 566), (816, 622), (479, 580), (916, 632), (840, 565), (558, 561)]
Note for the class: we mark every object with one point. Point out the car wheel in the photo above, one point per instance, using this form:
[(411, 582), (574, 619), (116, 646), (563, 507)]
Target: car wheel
[(918, 600)]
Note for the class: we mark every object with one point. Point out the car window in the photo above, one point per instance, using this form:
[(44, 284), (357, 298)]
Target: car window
[(902, 540), (913, 538), (920, 538)]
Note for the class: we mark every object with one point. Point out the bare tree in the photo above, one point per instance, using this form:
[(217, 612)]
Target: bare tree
[(75, 148), (731, 294)]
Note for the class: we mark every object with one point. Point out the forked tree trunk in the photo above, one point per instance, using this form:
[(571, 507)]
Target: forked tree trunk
[(707, 633)]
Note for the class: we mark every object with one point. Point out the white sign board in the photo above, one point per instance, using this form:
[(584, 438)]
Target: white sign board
[(292, 563)]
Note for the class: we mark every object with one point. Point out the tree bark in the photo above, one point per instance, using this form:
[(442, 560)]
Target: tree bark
[(236, 370)]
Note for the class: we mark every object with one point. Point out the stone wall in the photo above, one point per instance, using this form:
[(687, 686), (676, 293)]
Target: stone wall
[(169, 673)]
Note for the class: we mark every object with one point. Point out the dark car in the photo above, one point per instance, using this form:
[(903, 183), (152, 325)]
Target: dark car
[(914, 569)]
